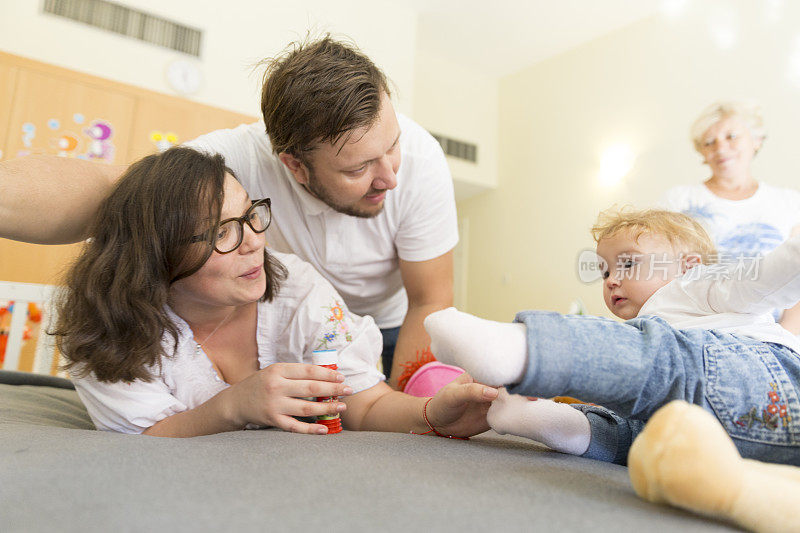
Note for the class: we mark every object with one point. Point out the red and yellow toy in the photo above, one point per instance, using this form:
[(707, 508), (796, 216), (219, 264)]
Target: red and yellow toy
[(328, 359), (34, 317)]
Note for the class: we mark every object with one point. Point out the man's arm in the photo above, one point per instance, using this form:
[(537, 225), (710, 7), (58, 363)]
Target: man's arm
[(429, 286), (67, 190)]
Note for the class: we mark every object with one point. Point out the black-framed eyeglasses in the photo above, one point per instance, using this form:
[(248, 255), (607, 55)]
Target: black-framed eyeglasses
[(230, 232)]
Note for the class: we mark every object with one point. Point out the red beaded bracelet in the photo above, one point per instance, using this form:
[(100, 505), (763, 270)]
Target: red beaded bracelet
[(433, 430)]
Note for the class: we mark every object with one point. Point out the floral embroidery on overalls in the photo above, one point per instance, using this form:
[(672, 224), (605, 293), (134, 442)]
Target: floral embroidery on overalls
[(336, 325), (774, 415)]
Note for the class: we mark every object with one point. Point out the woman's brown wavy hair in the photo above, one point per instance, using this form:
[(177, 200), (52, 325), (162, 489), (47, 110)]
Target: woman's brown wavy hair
[(112, 314)]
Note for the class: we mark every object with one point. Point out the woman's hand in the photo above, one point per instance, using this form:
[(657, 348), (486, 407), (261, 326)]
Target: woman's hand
[(459, 408), (273, 396)]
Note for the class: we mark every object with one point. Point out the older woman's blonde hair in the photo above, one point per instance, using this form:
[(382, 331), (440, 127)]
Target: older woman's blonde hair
[(683, 232), (748, 111)]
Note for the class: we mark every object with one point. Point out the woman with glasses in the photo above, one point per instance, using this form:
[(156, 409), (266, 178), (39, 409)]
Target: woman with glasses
[(178, 321)]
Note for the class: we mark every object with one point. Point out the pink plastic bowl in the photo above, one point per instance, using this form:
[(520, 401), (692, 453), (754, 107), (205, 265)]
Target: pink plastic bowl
[(430, 378)]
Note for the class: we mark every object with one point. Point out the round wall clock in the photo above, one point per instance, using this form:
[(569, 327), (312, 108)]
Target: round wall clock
[(184, 76)]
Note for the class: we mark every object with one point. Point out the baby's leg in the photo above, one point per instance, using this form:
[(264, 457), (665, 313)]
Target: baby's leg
[(556, 425), (493, 353), (632, 368), (590, 431)]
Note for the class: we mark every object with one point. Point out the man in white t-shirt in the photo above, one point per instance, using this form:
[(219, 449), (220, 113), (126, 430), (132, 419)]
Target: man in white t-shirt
[(358, 191)]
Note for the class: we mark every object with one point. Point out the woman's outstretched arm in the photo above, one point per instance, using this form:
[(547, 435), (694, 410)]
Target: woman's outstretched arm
[(458, 409)]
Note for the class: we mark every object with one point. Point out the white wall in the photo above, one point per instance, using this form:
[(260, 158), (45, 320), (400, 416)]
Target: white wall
[(237, 34), (642, 85), (455, 98), (541, 131)]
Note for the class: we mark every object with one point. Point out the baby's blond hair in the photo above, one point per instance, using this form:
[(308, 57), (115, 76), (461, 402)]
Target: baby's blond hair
[(684, 233)]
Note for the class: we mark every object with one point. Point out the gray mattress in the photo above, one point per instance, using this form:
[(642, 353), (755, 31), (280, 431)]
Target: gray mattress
[(58, 474)]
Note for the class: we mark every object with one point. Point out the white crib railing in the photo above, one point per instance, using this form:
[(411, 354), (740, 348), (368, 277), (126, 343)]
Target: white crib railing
[(22, 294)]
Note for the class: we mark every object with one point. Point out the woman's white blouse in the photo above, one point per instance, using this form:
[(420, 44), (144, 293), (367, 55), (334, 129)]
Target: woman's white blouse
[(306, 315)]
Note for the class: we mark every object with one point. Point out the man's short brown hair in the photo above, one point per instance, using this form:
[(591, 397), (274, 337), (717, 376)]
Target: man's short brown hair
[(318, 91)]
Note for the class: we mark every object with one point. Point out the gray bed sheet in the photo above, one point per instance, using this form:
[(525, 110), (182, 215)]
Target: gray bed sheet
[(58, 474)]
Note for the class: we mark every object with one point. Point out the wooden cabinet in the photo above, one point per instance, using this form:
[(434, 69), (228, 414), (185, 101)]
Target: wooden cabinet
[(50, 110), (55, 115), (35, 263), (161, 121), (8, 78)]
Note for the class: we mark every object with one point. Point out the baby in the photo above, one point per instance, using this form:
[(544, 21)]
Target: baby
[(694, 331)]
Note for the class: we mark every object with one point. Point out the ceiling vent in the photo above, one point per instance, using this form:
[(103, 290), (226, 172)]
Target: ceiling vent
[(130, 22), (458, 149)]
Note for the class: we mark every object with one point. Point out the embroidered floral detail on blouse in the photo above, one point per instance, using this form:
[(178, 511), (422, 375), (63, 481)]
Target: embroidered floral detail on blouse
[(335, 326), (774, 415)]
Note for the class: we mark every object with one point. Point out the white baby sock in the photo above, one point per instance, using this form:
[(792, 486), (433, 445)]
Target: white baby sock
[(556, 425), (493, 353)]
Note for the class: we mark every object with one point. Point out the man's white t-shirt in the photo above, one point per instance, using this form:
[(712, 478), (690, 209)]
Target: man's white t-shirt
[(359, 256), (739, 228)]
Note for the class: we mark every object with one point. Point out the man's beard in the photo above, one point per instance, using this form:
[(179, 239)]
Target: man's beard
[(321, 193)]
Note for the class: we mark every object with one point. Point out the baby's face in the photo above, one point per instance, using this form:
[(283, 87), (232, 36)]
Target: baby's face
[(634, 270)]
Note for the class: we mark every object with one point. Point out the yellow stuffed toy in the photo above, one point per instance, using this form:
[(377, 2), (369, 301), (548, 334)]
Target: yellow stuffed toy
[(684, 457)]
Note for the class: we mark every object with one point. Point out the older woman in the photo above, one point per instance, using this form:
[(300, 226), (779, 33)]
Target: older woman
[(177, 321), (745, 218)]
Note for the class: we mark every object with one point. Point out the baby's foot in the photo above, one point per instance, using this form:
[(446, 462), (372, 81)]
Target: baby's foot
[(556, 425), (493, 353)]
